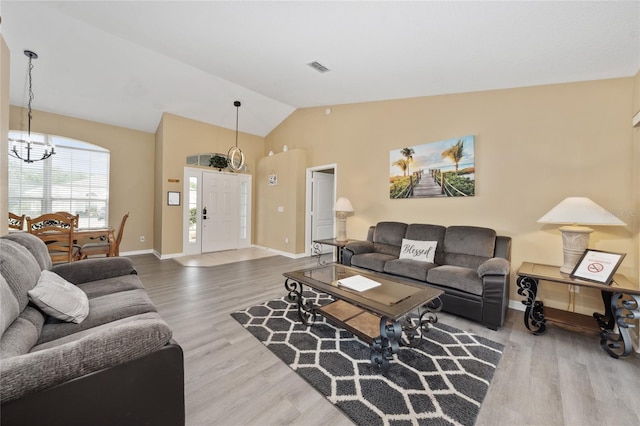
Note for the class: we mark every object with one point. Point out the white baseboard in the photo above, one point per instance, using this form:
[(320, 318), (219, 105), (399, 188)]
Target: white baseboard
[(136, 252), (282, 253)]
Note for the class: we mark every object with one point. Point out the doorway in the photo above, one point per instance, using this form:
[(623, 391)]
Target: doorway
[(321, 196), (217, 211)]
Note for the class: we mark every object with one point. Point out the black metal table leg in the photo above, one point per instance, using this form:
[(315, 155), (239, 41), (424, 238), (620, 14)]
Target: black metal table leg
[(316, 250), (384, 346), (306, 309), (426, 316), (618, 312), (534, 313)]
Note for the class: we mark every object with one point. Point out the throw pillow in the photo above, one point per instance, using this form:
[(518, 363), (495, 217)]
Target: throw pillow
[(59, 298), (423, 251)]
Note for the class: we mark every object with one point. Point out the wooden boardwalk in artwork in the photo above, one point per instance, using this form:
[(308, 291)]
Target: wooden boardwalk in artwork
[(427, 187)]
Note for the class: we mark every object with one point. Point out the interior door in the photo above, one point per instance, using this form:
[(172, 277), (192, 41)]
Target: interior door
[(220, 211), (322, 215)]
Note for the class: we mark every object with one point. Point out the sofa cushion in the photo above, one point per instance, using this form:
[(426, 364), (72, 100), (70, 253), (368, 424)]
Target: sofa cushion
[(409, 268), (34, 245), (424, 232), (20, 270), (373, 261), (103, 309), (22, 334), (389, 233), (111, 285), (421, 251), (59, 298), (9, 308), (460, 278), (468, 246)]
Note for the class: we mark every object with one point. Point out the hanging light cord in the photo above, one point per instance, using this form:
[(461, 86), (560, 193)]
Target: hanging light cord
[(237, 104), (30, 94)]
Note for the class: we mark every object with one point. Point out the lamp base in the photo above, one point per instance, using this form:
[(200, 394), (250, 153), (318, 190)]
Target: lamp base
[(575, 240), (341, 226)]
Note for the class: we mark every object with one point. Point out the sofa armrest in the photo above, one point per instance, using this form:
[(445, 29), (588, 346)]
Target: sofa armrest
[(145, 391), (359, 247), (34, 371), (95, 269), (494, 266)]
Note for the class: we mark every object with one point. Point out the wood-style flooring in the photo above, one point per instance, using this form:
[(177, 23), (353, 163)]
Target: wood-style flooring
[(560, 378)]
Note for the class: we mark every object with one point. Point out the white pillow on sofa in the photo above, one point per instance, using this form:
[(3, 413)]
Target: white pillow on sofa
[(423, 251), (59, 298)]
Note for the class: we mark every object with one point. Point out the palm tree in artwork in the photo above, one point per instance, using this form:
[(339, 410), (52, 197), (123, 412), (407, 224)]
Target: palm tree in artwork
[(408, 154), (455, 153), (403, 165)]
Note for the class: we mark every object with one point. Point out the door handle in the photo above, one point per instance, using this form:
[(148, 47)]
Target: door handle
[(204, 213)]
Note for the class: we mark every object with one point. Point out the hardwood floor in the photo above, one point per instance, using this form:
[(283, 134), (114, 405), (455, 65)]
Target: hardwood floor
[(560, 378)]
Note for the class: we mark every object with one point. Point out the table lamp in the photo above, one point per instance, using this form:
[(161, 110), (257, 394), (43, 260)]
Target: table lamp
[(342, 208), (575, 212)]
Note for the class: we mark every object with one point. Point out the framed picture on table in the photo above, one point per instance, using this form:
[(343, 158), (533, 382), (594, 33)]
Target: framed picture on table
[(598, 266)]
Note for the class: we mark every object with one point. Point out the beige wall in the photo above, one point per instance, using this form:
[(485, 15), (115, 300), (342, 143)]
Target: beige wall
[(4, 128), (176, 138), (281, 230), (534, 147), (131, 185)]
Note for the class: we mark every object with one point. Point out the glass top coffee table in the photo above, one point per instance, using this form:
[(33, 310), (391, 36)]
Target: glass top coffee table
[(380, 315)]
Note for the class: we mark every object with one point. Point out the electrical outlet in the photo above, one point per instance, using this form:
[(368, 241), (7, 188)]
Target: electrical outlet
[(142, 238), (286, 240)]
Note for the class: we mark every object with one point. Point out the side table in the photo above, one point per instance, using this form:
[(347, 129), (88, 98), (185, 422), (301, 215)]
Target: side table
[(339, 246), (621, 305)]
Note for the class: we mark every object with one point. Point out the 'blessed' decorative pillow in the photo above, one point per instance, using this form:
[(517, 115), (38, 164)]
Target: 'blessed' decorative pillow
[(423, 251)]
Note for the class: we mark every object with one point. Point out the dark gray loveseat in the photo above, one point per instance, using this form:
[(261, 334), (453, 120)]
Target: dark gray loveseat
[(119, 366), (471, 265)]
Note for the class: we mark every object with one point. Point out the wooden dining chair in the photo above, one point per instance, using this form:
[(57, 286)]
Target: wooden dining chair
[(76, 218), (15, 221), (57, 233), (104, 247)]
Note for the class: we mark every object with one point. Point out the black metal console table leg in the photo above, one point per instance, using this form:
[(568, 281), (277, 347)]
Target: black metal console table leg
[(534, 313), (619, 311), (316, 250), (306, 309)]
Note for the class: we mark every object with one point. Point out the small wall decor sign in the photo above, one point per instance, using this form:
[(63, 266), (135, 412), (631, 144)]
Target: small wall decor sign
[(173, 198), (597, 265), (438, 169), (273, 179)]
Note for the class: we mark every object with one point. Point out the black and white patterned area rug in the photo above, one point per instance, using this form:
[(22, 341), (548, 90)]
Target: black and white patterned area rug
[(442, 381)]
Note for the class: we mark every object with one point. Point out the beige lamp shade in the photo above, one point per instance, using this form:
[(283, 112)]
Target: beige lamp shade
[(343, 205), (580, 211), (576, 211)]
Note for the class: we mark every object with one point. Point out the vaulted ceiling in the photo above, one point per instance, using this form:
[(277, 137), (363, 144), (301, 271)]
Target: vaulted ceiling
[(126, 62)]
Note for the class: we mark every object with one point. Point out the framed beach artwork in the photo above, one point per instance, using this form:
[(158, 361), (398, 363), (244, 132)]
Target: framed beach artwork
[(437, 169)]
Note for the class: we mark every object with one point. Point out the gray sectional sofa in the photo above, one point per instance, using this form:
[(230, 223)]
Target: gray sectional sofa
[(119, 365), (471, 264)]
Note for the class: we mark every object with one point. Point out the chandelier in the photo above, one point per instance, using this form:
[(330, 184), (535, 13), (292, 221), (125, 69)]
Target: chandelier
[(235, 156), (49, 149)]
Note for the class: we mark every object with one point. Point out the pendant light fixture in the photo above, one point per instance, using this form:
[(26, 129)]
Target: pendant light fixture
[(235, 156), (49, 149)]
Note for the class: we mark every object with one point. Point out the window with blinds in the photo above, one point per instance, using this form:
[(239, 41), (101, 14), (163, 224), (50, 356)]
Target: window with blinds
[(75, 179)]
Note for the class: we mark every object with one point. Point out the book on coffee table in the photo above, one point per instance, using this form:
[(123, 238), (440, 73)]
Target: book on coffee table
[(358, 283)]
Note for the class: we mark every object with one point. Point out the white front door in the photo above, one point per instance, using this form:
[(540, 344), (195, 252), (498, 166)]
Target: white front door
[(220, 211), (322, 215)]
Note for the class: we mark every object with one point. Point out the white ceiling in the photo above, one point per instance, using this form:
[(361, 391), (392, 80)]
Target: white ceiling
[(127, 62)]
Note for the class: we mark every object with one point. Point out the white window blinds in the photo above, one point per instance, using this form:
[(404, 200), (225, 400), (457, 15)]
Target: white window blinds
[(75, 179)]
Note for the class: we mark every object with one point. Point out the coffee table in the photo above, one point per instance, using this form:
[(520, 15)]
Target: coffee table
[(380, 316)]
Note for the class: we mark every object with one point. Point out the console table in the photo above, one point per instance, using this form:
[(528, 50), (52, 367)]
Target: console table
[(339, 246), (621, 306)]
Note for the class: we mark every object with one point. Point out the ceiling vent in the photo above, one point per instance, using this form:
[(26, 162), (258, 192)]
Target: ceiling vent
[(318, 66)]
